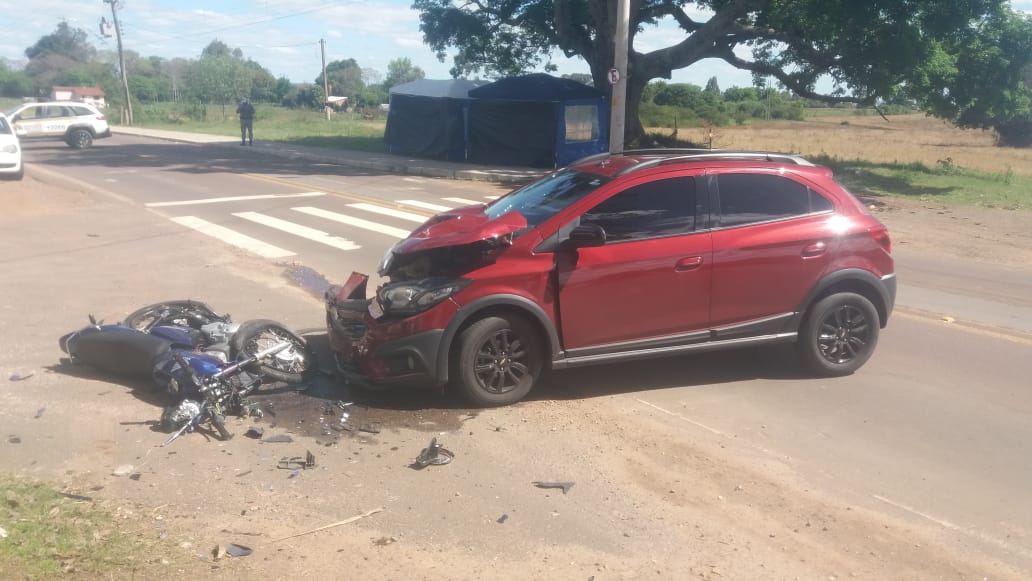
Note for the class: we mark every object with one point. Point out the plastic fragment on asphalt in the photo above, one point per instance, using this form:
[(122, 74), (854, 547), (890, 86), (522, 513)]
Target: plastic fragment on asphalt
[(123, 470), (21, 376), (39, 413), (502, 519), (433, 455), (237, 550), (566, 486), (278, 439), (255, 432)]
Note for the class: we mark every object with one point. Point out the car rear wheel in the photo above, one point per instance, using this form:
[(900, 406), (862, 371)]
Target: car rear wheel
[(80, 138), (499, 360), (839, 334)]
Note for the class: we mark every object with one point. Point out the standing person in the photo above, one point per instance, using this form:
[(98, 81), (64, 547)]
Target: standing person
[(246, 112)]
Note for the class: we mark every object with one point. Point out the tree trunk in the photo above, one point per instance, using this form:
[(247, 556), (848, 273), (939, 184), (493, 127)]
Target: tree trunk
[(634, 133)]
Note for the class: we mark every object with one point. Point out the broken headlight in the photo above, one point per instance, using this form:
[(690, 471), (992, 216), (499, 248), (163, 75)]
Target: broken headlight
[(415, 296)]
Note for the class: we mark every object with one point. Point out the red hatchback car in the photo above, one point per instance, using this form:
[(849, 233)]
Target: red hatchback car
[(618, 257)]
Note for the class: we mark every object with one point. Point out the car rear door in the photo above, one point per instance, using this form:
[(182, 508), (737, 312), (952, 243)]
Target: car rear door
[(29, 121), (770, 245), (652, 276)]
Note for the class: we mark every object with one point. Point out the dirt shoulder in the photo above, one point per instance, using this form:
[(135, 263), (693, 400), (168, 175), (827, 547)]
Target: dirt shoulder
[(646, 504)]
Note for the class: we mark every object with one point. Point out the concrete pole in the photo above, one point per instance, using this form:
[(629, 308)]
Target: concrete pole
[(617, 103), (325, 80), (121, 58)]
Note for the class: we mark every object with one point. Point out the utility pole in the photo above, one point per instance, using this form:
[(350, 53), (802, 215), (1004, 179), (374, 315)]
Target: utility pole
[(121, 58), (325, 80), (618, 78)]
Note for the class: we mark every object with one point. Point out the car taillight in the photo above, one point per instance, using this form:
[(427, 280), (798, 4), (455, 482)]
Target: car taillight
[(100, 117), (881, 236)]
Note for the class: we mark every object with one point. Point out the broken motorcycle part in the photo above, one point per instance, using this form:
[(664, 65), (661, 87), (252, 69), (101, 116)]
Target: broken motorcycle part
[(433, 455)]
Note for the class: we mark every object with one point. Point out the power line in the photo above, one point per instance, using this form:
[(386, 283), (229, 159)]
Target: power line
[(251, 23)]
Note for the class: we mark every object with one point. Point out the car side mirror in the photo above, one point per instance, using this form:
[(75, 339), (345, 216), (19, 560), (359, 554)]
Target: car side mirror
[(586, 235)]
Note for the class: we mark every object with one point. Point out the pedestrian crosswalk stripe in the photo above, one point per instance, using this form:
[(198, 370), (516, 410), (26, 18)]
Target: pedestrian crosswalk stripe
[(352, 221), (232, 199), (464, 201), (424, 205), (390, 212), (299, 230), (232, 237)]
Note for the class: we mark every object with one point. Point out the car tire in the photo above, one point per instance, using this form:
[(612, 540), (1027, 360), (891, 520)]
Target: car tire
[(499, 359), (839, 334), (80, 139)]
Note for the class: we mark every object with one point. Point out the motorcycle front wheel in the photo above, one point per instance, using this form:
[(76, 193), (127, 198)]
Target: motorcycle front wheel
[(289, 365), (186, 313)]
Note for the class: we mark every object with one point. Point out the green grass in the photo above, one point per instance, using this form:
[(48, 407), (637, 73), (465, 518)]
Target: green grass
[(51, 535), (946, 183), (272, 123)]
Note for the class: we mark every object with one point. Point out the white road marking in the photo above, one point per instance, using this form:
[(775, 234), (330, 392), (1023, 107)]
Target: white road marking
[(464, 201), (424, 205), (232, 237), (232, 199), (390, 212), (352, 221), (948, 525), (299, 230), (680, 417)]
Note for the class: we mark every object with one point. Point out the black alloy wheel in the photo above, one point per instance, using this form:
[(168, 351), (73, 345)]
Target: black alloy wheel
[(498, 361), (839, 334)]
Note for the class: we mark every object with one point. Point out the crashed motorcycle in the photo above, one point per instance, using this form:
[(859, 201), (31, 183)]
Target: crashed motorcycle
[(221, 392), (203, 385), (198, 324)]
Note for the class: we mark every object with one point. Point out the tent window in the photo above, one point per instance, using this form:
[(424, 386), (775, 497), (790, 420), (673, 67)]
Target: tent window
[(581, 123)]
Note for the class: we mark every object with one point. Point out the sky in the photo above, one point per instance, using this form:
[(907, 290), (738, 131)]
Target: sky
[(284, 36)]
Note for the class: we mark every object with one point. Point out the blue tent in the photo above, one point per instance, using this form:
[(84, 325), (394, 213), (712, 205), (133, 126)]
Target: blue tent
[(536, 120), (427, 118)]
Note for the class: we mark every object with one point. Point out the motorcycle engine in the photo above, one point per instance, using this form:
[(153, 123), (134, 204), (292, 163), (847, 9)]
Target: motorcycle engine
[(175, 417)]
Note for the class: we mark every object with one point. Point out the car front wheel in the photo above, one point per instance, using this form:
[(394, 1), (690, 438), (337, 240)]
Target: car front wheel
[(839, 334), (80, 139), (499, 360)]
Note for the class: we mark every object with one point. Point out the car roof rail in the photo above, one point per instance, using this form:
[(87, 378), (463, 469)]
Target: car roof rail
[(709, 155)]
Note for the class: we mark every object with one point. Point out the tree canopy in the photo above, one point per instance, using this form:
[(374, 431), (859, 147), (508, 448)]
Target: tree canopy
[(870, 50), (401, 71)]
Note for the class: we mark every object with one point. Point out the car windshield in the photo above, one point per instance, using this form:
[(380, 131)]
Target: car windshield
[(540, 200)]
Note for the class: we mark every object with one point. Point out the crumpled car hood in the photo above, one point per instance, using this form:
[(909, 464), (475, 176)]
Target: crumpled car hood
[(459, 227), (451, 243)]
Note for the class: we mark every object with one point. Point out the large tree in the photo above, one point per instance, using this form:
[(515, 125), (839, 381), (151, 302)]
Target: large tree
[(868, 48), (401, 70), (987, 76), (345, 79)]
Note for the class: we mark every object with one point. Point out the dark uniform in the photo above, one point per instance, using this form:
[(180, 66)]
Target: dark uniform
[(246, 112)]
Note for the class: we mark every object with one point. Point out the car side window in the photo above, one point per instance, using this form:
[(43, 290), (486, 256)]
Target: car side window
[(80, 111), (54, 112), (30, 113), (655, 209), (751, 198)]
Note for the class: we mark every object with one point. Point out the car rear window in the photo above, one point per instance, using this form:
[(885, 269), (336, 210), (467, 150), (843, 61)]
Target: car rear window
[(751, 198)]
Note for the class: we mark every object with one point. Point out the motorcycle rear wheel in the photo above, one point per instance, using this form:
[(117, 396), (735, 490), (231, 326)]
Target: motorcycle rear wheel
[(185, 313), (290, 365)]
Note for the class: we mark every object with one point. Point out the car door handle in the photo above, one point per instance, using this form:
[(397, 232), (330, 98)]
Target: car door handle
[(689, 263), (814, 249)]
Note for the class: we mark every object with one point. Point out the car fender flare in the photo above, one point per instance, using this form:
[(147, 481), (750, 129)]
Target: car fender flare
[(506, 301), (85, 126), (885, 293)]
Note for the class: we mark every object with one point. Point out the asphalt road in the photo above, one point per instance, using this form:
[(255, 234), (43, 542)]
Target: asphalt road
[(935, 428)]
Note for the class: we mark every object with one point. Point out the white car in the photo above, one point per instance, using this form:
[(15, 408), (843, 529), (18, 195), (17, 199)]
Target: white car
[(77, 124), (10, 151)]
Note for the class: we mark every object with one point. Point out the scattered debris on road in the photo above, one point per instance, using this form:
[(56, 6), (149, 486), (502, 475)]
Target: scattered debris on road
[(237, 550), (433, 455), (21, 376), (331, 525), (278, 439), (255, 432), (566, 486), (502, 519), (297, 462)]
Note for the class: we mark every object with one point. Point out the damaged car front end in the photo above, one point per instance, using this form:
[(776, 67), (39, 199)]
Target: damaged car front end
[(395, 337)]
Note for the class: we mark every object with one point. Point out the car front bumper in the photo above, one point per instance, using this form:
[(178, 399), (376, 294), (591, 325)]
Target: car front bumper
[(372, 352)]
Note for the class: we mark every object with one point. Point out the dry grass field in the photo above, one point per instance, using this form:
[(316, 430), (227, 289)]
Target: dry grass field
[(903, 139)]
